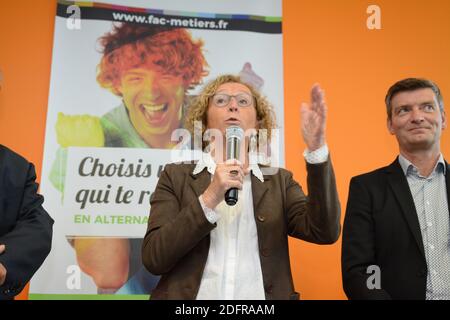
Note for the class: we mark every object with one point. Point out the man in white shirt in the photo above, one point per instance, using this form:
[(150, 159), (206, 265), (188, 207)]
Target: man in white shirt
[(395, 243)]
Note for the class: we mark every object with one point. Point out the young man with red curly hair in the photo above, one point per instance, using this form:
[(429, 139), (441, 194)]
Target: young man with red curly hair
[(151, 69)]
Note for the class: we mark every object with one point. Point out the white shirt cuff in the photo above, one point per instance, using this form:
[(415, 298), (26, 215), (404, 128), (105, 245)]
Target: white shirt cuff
[(211, 215), (317, 156)]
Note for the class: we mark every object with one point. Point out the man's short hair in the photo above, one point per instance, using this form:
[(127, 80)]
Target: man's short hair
[(411, 84)]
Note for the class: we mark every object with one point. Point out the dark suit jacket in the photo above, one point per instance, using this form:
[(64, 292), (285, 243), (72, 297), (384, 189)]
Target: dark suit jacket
[(381, 228), (177, 241), (25, 227)]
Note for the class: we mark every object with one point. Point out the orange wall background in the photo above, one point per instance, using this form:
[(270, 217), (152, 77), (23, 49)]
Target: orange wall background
[(325, 41)]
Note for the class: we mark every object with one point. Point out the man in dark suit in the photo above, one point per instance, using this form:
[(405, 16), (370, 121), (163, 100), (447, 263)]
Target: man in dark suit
[(396, 230), (25, 227), (207, 249)]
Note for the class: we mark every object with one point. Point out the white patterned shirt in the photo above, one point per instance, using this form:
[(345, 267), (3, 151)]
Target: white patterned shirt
[(430, 199)]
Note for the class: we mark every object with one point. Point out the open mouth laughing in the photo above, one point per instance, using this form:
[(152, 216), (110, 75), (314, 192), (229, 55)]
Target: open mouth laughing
[(154, 114)]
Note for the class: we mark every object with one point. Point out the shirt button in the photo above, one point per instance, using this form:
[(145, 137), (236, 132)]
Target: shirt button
[(431, 246), (265, 252), (429, 224), (261, 218), (428, 203)]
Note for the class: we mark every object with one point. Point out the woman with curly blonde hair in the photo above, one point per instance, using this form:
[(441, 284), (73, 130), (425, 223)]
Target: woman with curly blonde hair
[(198, 108), (207, 248)]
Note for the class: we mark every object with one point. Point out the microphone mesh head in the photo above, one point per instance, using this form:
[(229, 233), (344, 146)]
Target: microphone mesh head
[(234, 132)]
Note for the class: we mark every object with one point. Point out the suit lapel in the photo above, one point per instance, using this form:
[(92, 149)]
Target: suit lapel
[(200, 182), (259, 189), (400, 187), (447, 183)]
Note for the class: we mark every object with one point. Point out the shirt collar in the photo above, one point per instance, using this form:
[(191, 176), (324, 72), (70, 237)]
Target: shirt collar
[(206, 161), (407, 165)]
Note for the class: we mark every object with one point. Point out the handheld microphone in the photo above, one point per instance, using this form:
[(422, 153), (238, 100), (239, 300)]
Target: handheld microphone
[(234, 135)]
